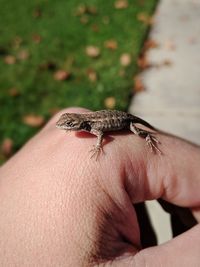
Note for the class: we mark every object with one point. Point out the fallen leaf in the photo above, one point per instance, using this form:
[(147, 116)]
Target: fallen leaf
[(125, 59), (13, 92), (142, 62), (92, 10), (170, 45), (141, 2), (7, 147), (92, 75), (10, 60), (81, 9), (121, 4), (37, 13), (111, 44), (23, 55), (110, 102), (50, 65), (33, 120), (95, 28), (150, 43), (138, 84), (36, 38), (84, 19), (84, 9), (145, 18), (61, 75), (17, 42), (167, 62), (92, 51)]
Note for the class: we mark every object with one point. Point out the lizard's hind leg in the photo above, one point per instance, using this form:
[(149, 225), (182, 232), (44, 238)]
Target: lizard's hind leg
[(151, 140)]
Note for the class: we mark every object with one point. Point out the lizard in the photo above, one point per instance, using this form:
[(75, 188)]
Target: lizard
[(102, 121)]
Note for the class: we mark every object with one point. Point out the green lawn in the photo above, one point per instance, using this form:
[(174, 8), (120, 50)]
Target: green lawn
[(38, 38)]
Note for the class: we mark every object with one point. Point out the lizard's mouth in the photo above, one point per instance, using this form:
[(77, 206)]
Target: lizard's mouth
[(63, 127)]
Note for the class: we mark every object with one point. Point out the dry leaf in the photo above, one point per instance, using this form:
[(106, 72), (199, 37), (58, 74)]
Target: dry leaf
[(37, 12), (92, 75), (92, 10), (111, 44), (167, 62), (84, 19), (145, 18), (142, 62), (110, 102), (13, 92), (49, 65), (9, 59), (169, 45), (150, 43), (7, 147), (17, 42), (83, 9), (138, 85), (92, 51), (36, 38), (23, 55), (121, 4), (125, 59), (33, 120), (61, 75), (95, 28)]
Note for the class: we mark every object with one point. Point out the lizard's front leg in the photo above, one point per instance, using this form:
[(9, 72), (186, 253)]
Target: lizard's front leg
[(151, 140), (98, 147)]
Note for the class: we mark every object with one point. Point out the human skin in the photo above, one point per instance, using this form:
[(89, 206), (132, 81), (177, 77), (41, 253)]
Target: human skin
[(59, 207)]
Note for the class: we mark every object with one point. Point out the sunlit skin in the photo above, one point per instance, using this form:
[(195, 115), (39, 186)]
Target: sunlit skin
[(60, 208)]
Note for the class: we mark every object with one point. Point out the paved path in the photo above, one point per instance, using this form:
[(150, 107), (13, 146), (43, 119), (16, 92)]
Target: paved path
[(171, 100)]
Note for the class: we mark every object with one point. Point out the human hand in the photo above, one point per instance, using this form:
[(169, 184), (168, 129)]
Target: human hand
[(58, 207)]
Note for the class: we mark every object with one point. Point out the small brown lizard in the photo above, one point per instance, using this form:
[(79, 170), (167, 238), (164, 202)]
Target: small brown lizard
[(102, 121)]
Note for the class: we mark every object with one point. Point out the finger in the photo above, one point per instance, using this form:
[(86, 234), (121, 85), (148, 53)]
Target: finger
[(181, 251), (173, 176)]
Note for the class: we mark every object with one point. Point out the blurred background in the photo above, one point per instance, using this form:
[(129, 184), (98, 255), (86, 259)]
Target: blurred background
[(55, 54)]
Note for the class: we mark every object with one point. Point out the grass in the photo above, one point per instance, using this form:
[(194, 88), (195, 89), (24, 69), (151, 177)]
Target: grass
[(39, 37)]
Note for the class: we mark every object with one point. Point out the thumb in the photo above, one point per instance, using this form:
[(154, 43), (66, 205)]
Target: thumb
[(183, 250)]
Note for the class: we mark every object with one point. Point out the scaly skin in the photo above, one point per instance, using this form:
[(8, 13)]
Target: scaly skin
[(102, 121)]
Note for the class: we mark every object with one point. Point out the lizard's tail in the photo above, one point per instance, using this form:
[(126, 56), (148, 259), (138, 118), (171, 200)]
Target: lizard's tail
[(143, 122)]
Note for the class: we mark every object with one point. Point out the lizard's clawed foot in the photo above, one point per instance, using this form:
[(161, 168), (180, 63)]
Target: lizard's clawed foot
[(96, 151), (152, 143)]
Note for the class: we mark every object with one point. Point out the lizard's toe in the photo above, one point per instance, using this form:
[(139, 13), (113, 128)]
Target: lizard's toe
[(95, 151)]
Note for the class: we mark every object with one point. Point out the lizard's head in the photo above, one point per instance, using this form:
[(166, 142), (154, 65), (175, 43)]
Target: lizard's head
[(69, 121)]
